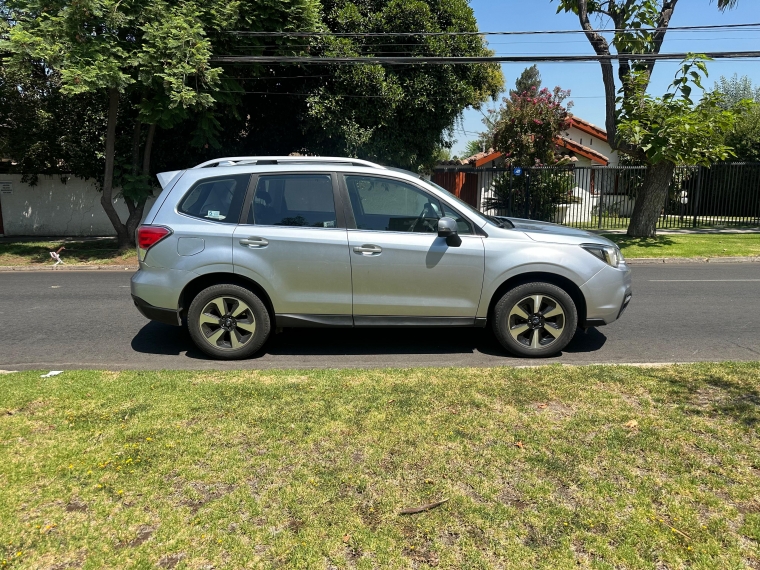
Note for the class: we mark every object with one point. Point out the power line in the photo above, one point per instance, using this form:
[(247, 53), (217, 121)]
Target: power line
[(425, 53), (301, 94), (537, 42), (508, 33), (403, 60)]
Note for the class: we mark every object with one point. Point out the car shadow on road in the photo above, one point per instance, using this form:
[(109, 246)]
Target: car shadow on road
[(157, 338)]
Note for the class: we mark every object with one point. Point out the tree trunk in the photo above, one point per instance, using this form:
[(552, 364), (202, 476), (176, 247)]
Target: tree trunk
[(651, 200), (136, 213), (136, 147), (106, 200)]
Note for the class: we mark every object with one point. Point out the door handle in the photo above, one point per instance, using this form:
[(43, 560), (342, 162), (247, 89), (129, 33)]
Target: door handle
[(254, 242), (368, 249)]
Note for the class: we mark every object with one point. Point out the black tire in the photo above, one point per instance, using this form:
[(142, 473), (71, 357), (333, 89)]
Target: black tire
[(245, 317), (517, 324)]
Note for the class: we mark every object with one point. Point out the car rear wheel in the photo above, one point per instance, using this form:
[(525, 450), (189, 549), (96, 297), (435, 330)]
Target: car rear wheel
[(228, 322), (535, 320)]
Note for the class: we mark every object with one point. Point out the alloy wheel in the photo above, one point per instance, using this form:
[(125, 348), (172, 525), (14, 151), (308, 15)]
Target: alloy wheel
[(536, 321), (227, 322)]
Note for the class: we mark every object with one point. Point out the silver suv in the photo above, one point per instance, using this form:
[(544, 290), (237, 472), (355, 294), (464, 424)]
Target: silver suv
[(236, 247)]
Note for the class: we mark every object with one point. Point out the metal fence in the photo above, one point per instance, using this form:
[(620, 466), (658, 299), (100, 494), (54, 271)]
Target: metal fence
[(726, 194)]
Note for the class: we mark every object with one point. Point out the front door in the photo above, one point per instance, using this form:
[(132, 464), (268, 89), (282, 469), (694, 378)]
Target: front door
[(295, 245), (400, 267)]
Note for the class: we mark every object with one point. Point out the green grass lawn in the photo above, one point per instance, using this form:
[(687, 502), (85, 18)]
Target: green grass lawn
[(105, 251), (690, 245), (77, 252), (551, 467)]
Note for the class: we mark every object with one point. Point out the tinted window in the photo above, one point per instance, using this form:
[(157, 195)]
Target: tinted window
[(216, 199), (294, 200), (464, 228), (390, 205)]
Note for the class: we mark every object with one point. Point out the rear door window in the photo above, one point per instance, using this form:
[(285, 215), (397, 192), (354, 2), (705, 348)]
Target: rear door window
[(300, 200), (216, 199)]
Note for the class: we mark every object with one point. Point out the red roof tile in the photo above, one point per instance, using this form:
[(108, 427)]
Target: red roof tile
[(577, 148), (589, 128)]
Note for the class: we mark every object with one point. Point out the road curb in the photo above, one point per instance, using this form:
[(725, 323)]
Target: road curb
[(33, 268), (656, 260)]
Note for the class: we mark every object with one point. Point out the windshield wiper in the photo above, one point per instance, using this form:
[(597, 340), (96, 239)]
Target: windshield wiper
[(501, 222)]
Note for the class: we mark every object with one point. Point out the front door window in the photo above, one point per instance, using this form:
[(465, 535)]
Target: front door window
[(383, 204)]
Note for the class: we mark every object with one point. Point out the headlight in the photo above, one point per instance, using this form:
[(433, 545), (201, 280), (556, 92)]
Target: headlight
[(610, 254)]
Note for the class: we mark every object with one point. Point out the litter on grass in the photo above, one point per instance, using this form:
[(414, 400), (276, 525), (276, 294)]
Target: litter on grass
[(51, 373)]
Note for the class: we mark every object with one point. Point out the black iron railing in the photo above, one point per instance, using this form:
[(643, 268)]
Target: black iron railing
[(726, 194)]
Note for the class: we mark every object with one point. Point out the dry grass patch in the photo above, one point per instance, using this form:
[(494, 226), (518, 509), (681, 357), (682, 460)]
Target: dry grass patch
[(103, 251), (553, 467)]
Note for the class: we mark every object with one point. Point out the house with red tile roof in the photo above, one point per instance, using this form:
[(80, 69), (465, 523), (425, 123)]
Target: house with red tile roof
[(588, 143), (585, 144)]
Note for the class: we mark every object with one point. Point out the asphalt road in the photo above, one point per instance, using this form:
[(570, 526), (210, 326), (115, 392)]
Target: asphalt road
[(679, 313)]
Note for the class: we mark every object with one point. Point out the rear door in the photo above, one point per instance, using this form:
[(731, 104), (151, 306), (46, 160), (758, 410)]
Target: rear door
[(293, 242)]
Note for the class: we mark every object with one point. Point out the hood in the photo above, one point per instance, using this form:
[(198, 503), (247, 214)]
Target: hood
[(554, 233)]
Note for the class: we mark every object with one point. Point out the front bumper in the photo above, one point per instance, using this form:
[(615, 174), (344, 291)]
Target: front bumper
[(607, 295), (167, 316)]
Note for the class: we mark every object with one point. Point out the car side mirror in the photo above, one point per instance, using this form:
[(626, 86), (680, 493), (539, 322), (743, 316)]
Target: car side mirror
[(447, 228)]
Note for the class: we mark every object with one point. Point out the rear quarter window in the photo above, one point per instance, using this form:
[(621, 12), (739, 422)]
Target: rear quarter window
[(216, 199)]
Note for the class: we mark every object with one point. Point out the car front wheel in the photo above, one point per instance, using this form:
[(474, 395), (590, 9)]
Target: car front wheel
[(228, 322), (535, 320)]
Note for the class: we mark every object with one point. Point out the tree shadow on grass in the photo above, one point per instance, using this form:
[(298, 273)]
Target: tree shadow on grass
[(645, 243), (712, 395)]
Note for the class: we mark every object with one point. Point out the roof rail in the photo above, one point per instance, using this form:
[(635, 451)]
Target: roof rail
[(241, 160)]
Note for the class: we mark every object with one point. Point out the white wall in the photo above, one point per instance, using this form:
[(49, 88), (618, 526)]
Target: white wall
[(52, 208), (595, 143)]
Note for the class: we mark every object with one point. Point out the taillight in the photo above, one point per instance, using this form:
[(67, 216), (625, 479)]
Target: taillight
[(148, 236)]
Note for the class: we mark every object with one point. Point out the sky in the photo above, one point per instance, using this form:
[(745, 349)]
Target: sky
[(584, 79)]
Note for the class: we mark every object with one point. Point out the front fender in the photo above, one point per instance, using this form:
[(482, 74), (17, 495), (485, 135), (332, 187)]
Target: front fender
[(507, 259)]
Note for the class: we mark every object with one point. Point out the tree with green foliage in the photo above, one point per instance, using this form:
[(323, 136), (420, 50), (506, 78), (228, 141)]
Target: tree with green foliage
[(740, 95), (525, 130), (744, 138), (736, 89), (527, 84), (149, 63), (529, 80), (671, 130), (528, 124), (641, 26), (45, 131), (396, 114), (129, 71), (474, 147)]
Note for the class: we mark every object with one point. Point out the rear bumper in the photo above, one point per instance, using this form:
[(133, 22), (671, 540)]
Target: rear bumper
[(167, 316)]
